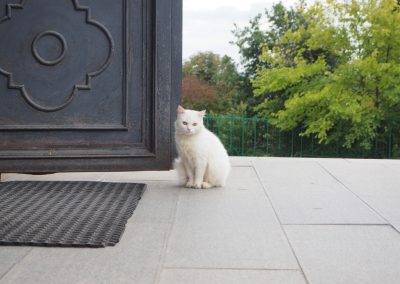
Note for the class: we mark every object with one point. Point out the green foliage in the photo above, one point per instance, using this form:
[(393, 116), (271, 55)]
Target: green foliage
[(211, 82), (263, 33), (204, 66), (325, 76), (333, 73)]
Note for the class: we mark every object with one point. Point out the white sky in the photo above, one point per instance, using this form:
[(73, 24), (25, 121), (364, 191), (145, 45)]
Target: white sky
[(207, 24)]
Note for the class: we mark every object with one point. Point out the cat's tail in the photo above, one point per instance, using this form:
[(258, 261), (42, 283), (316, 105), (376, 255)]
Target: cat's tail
[(180, 170)]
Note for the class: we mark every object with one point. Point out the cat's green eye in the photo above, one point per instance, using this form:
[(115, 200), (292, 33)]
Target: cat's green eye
[(194, 124), (184, 123)]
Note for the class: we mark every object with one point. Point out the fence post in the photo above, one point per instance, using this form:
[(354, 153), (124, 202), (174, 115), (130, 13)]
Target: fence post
[(243, 121), (292, 150), (301, 146), (390, 144), (337, 149), (218, 121), (230, 135), (279, 140), (312, 146), (255, 134), (267, 124)]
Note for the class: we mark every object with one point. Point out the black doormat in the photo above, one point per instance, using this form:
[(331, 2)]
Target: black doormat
[(66, 214)]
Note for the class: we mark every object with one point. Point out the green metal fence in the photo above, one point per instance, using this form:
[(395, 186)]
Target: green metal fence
[(257, 137)]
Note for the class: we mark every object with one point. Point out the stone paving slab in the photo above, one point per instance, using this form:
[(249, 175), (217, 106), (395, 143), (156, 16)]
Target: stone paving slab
[(304, 193), (376, 182), (136, 259), (241, 161), (351, 254), (234, 235), (234, 227), (10, 256), (216, 276), (99, 176)]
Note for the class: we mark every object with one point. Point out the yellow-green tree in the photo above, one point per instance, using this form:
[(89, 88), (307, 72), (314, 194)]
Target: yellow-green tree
[(337, 76), (263, 32)]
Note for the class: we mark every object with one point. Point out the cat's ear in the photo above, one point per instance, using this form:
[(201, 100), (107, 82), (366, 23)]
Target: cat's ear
[(180, 110), (202, 113)]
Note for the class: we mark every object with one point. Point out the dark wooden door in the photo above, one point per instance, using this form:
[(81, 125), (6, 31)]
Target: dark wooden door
[(88, 85)]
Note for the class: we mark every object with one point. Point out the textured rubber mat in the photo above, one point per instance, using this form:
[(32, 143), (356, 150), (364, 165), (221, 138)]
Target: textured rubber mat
[(67, 214)]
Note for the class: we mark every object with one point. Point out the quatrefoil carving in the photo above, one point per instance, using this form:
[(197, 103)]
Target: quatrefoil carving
[(59, 54)]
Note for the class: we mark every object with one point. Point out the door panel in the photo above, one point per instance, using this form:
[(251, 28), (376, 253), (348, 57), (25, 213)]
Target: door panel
[(86, 85)]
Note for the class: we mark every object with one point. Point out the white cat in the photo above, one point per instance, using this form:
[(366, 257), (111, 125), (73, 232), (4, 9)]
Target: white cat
[(203, 161)]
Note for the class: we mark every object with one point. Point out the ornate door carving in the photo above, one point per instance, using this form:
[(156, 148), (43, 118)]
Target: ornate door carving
[(88, 85)]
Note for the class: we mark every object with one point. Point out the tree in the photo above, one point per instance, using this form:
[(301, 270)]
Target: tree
[(197, 94), (210, 82), (263, 33), (341, 85), (204, 66)]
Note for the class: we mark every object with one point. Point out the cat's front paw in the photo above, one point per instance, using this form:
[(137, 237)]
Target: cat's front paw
[(189, 184), (206, 185), (198, 185), (202, 185)]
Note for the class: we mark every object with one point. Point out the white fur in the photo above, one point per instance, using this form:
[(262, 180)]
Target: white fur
[(203, 161)]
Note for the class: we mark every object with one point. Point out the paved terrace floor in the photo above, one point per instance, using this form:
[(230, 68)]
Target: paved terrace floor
[(278, 220)]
